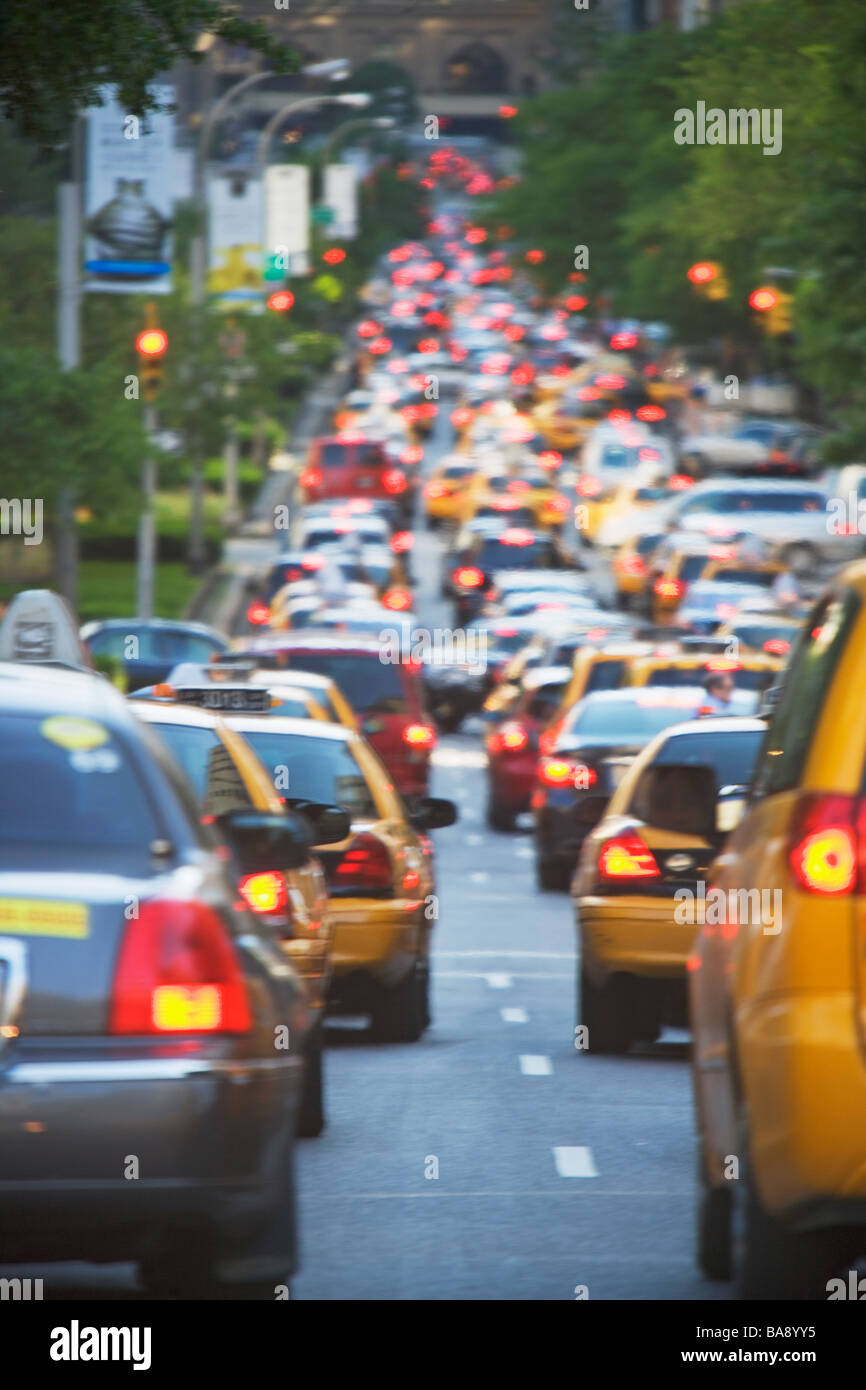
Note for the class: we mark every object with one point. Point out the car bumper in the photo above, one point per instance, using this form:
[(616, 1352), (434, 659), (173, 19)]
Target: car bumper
[(632, 934), (99, 1154), (377, 937)]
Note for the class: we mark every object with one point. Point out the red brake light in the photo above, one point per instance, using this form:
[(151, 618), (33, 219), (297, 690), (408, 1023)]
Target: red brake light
[(631, 564), (264, 892), (515, 535), (559, 772), (650, 413), (511, 738), (436, 490), (363, 867), (177, 972), (413, 454), (588, 486), (826, 836), (680, 482), (397, 600), (311, 477), (626, 856), (419, 735), (258, 614), (402, 540), (550, 458), (468, 577), (393, 480), (669, 588), (777, 646)]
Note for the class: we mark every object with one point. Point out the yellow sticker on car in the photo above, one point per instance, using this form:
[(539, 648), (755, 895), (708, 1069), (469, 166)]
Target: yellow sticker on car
[(73, 733), (44, 917)]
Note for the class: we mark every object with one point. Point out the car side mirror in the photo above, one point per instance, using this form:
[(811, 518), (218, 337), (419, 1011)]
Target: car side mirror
[(678, 796), (328, 824), (589, 810), (433, 813), (263, 841)]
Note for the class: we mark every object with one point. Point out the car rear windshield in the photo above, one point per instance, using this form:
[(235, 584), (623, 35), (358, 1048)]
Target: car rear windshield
[(208, 767), (496, 554), (625, 721), (69, 782), (732, 755), (319, 769), (692, 566), (344, 455), (370, 685), (763, 578), (605, 675), (678, 676)]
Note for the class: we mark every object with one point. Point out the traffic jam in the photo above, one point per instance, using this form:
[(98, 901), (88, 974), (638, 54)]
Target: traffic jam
[(481, 916)]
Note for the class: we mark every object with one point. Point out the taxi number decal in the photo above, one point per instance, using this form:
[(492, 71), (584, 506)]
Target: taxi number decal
[(72, 733), (44, 917)]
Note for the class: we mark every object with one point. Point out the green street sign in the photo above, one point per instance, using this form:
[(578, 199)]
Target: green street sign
[(322, 213), (272, 270)]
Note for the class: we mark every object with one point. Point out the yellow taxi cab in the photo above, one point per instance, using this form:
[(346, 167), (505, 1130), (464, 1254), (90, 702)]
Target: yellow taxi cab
[(593, 668), (734, 571), (380, 877), (528, 491), (564, 420), (646, 853), (631, 567), (672, 664), (508, 688), (777, 985), (226, 775), (445, 490), (675, 563), (326, 694)]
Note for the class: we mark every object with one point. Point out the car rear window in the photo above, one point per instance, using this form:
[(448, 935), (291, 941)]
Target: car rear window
[(763, 578), (319, 769), (626, 721), (370, 685), (208, 767), (605, 675), (690, 675), (496, 554), (692, 566), (69, 782), (731, 754)]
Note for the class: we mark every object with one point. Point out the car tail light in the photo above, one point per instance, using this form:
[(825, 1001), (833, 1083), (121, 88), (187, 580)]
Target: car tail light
[(313, 562), (436, 490), (311, 477), (561, 772), (650, 413), (393, 480), (468, 577), (669, 588), (177, 972), (587, 486), (826, 843), (365, 865), (462, 416), (264, 892), (633, 565), (559, 504), (397, 600), (419, 736), (414, 454), (680, 482), (723, 663), (511, 738), (627, 856), (258, 614), (550, 458), (402, 540), (619, 417), (515, 535), (777, 646)]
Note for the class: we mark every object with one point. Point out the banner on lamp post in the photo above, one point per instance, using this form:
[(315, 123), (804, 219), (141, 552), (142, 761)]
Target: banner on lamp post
[(341, 195), (287, 216), (128, 196), (235, 221)]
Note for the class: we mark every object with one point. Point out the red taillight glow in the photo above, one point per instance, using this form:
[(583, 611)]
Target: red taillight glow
[(680, 482), (650, 413), (258, 614), (515, 535), (402, 541), (177, 972), (264, 892), (777, 646), (311, 477), (588, 486), (397, 600), (394, 481), (511, 738), (632, 565), (825, 847), (626, 856), (364, 866), (419, 736), (669, 588), (468, 577), (550, 458)]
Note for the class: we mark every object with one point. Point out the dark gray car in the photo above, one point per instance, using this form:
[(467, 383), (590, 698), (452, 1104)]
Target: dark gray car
[(151, 1032)]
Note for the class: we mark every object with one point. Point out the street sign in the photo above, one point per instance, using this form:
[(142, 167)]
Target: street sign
[(323, 214)]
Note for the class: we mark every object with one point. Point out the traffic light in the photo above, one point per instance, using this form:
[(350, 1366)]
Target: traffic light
[(709, 279), (763, 298), (281, 300), (779, 318), (151, 345)]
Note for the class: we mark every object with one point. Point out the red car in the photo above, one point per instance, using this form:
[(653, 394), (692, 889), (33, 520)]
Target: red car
[(512, 745), (350, 465), (387, 696)]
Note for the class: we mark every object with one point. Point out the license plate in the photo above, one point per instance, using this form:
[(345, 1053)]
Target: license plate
[(44, 917)]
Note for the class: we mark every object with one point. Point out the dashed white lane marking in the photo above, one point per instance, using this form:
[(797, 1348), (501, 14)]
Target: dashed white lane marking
[(482, 876), (575, 1162), (514, 1015), (498, 981), (483, 975), (524, 852), (534, 1065), (475, 839)]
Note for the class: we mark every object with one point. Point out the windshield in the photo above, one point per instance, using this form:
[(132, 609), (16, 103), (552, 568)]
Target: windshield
[(318, 770), (678, 675), (731, 755), (370, 685), (632, 721)]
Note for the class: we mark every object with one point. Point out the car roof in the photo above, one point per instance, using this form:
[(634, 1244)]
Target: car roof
[(719, 724), (43, 689), (752, 485), (164, 624), (310, 639), (157, 712), (285, 724)]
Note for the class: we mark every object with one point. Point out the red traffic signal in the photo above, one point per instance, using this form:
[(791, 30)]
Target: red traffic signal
[(281, 300), (152, 342), (763, 298), (334, 256)]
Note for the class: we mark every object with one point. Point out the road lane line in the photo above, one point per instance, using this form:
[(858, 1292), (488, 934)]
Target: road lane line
[(495, 977), (574, 1162), (497, 980), (514, 1015), (534, 1065), (507, 955)]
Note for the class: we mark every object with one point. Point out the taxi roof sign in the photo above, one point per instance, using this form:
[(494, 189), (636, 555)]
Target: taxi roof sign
[(39, 627)]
